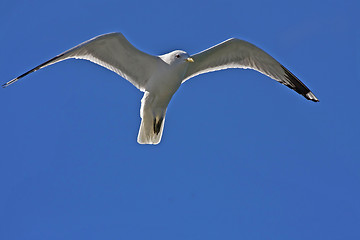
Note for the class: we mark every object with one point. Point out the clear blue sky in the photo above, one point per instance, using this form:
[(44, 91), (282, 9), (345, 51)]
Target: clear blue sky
[(242, 157)]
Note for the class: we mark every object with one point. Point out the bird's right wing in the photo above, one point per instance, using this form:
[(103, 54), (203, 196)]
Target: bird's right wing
[(236, 53), (112, 51)]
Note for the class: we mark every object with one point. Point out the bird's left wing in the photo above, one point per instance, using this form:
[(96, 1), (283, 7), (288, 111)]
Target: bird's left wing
[(112, 51), (236, 53)]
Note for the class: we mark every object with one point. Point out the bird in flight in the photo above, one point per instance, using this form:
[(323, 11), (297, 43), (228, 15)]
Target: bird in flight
[(159, 77)]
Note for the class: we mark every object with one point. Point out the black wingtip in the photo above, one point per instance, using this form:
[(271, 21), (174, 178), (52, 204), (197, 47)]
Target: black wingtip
[(51, 61), (5, 85), (311, 96), (317, 100), (10, 82), (298, 86)]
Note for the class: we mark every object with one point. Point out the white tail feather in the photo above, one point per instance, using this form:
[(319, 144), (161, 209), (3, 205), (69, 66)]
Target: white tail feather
[(152, 120), (148, 134)]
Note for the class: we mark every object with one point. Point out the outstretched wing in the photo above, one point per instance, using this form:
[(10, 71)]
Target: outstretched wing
[(113, 52), (235, 53)]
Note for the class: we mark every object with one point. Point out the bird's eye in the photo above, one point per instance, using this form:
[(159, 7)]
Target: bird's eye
[(177, 56)]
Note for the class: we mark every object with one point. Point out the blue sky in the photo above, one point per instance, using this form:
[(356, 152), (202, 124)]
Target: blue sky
[(242, 157)]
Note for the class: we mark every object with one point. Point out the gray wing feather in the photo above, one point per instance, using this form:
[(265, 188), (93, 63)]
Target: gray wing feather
[(235, 53), (113, 52)]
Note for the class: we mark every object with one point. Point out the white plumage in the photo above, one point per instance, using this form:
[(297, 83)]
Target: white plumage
[(159, 77)]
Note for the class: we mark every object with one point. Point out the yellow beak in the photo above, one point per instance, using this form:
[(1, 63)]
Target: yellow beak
[(189, 60)]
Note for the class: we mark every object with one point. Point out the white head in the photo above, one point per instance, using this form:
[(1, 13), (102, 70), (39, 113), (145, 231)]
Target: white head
[(176, 57)]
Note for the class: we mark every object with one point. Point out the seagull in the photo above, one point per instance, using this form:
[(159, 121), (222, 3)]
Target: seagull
[(159, 77)]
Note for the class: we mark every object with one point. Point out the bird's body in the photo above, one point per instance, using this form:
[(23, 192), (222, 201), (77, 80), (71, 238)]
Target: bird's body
[(159, 90), (159, 77)]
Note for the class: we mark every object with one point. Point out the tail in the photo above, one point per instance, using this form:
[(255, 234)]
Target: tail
[(152, 121), (151, 130)]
